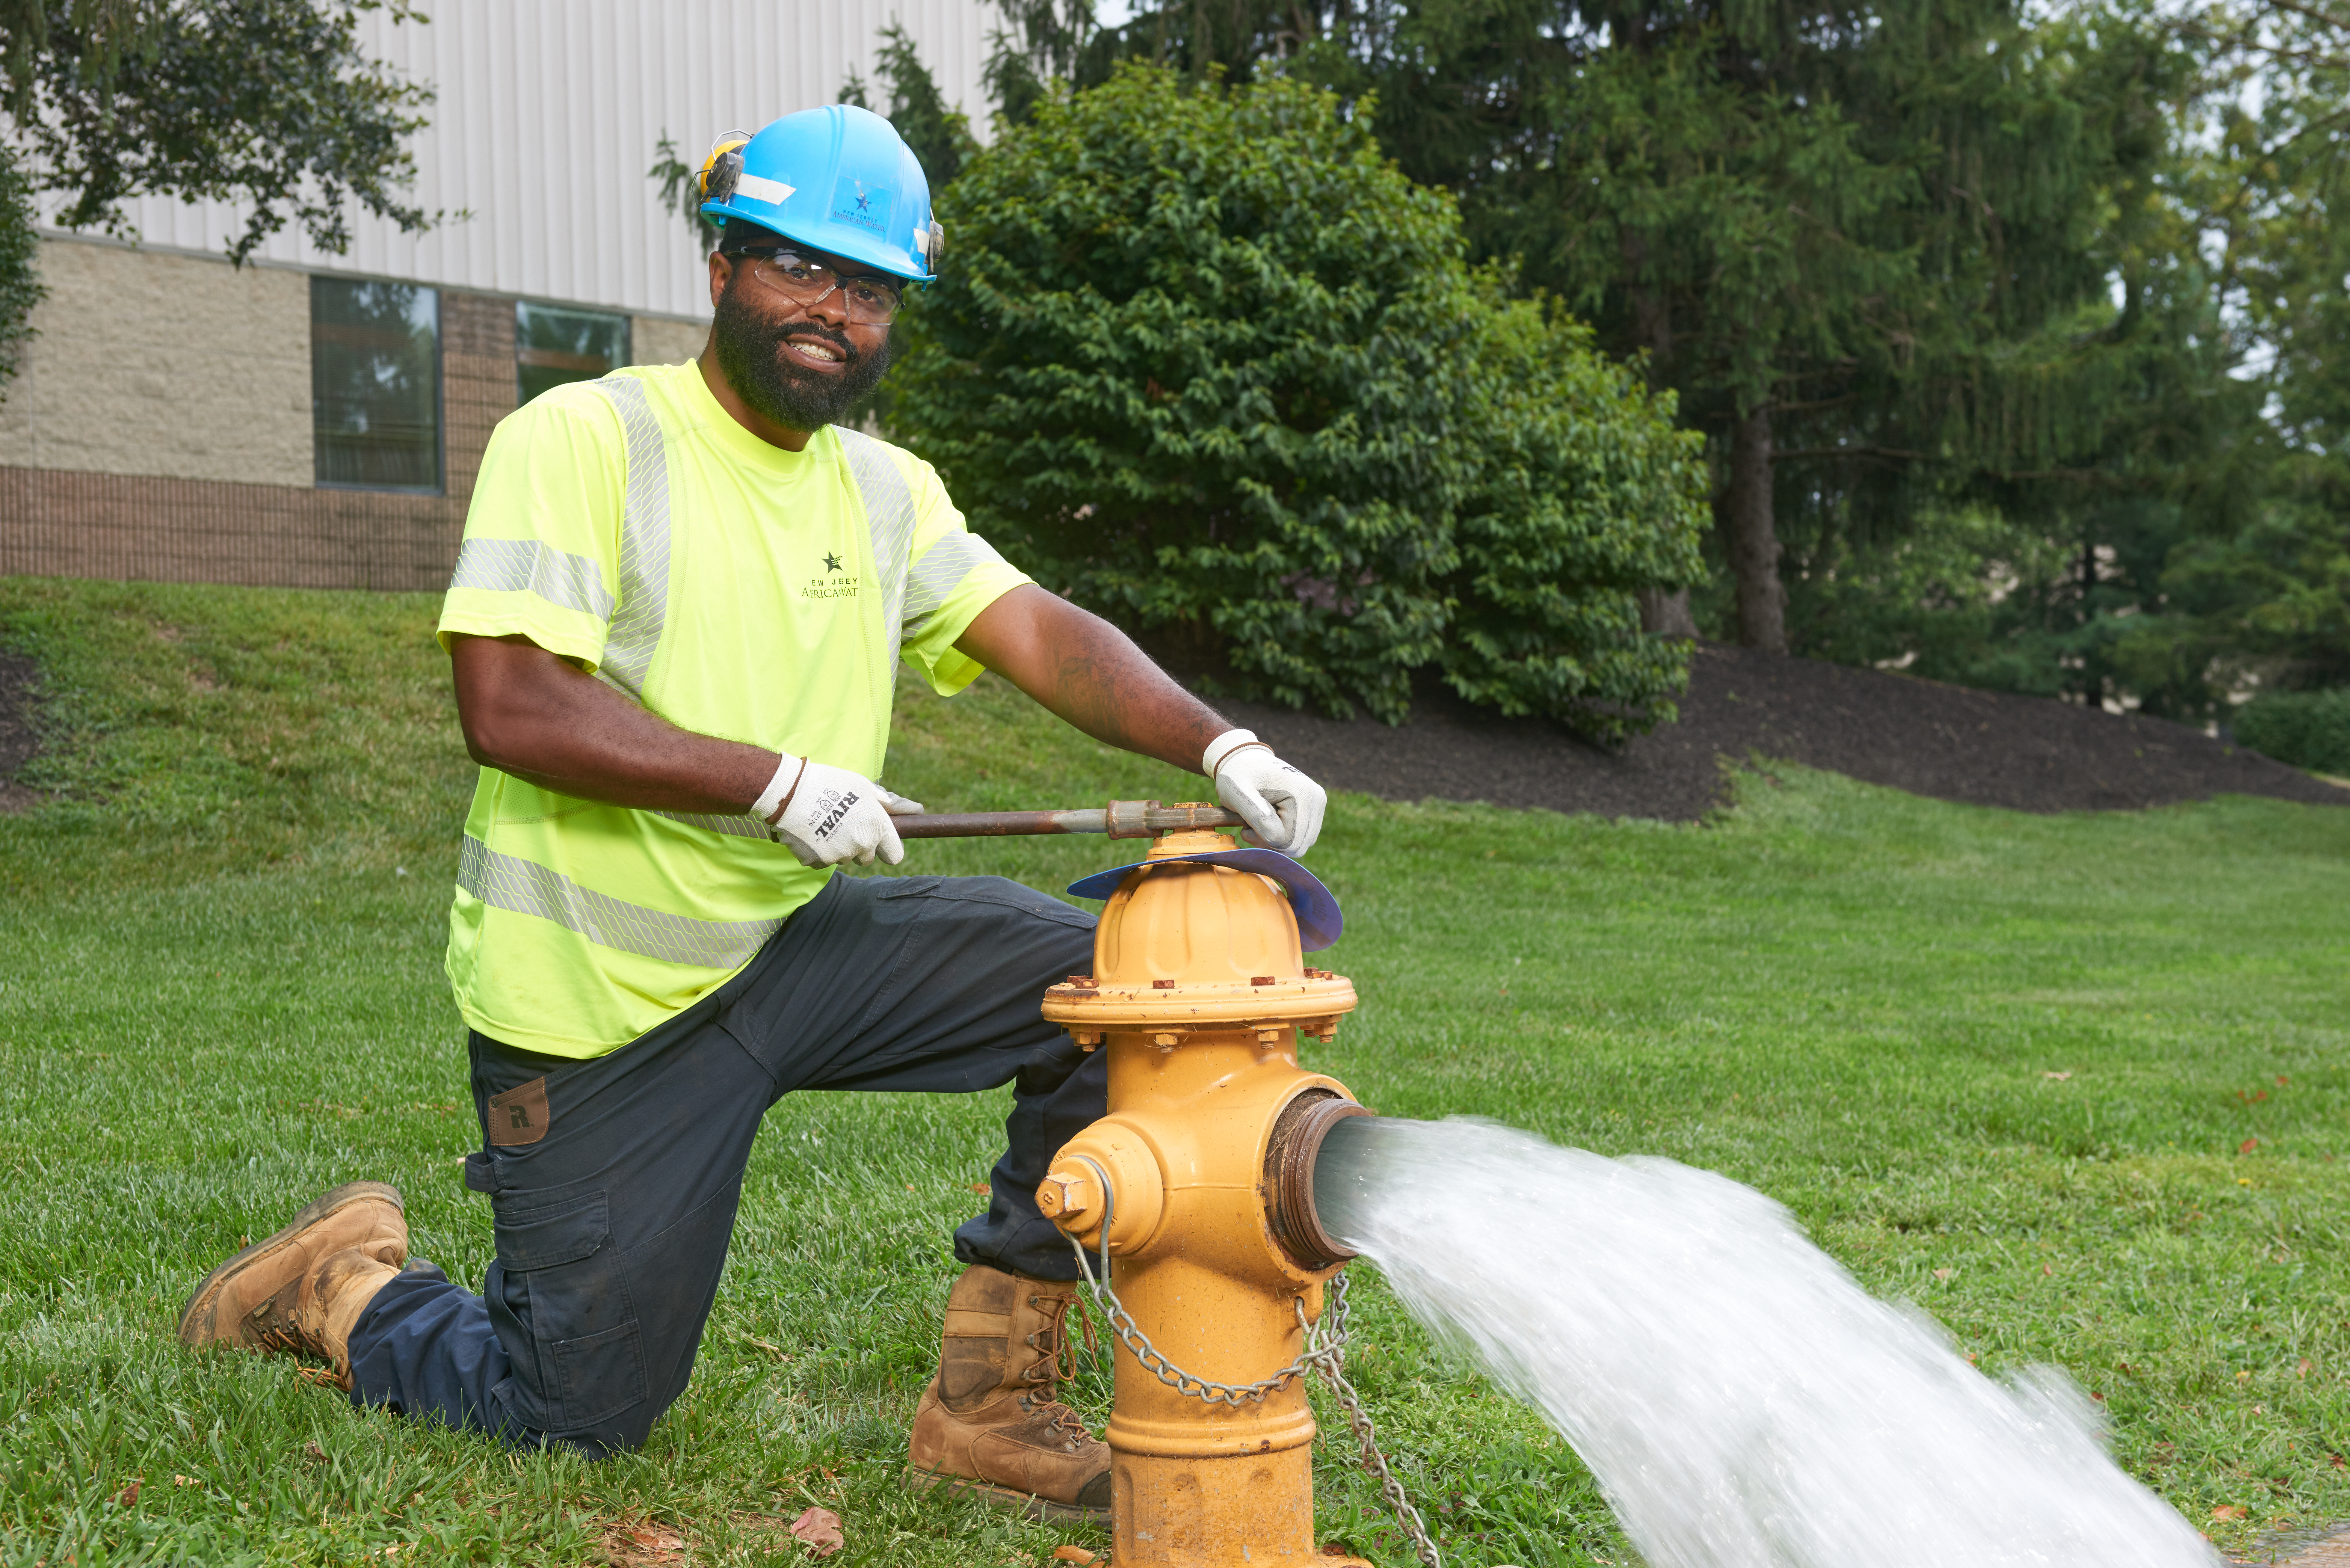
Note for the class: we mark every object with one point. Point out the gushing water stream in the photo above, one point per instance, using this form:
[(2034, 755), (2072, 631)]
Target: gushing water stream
[(1742, 1401)]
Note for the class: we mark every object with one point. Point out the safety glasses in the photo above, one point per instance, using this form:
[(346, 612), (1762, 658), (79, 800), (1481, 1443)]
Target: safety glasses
[(872, 300)]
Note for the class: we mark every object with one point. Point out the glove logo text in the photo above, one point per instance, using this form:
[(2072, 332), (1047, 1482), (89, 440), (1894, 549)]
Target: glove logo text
[(831, 807)]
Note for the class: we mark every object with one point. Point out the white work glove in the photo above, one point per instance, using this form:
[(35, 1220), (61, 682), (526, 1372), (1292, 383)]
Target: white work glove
[(830, 815), (1282, 806)]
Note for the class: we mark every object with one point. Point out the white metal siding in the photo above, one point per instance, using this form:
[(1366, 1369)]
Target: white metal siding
[(547, 115)]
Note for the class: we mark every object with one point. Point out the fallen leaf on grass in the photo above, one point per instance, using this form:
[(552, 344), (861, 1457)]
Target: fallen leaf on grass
[(2339, 1462), (820, 1529), (631, 1544), (1072, 1554), (980, 1186), (2249, 1145), (2060, 1077), (2230, 1510), (129, 1495), (185, 1480), (1944, 1273), (2302, 1370)]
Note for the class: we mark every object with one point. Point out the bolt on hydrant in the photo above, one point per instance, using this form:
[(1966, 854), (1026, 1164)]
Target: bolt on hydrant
[(1204, 1172)]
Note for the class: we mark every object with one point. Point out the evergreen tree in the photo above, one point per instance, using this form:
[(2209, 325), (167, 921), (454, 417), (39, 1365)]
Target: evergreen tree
[(1830, 226), (940, 136)]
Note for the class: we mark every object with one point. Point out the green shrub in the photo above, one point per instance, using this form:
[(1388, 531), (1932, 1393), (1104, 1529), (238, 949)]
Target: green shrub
[(2307, 729), (1205, 361)]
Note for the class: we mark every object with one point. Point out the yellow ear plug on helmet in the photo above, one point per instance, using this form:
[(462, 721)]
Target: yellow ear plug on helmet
[(723, 167)]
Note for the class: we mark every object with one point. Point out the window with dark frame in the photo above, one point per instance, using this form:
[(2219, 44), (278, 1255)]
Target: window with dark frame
[(375, 384), (556, 344)]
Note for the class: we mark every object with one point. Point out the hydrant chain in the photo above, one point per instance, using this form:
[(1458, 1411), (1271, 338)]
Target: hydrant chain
[(1324, 1352), (1130, 1333), (1375, 1463)]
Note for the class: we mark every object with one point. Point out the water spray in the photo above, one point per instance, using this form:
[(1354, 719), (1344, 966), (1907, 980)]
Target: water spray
[(1738, 1395)]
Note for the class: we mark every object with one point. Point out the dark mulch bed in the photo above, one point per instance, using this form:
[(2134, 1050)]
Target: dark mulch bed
[(2025, 752), (17, 741), (2028, 754)]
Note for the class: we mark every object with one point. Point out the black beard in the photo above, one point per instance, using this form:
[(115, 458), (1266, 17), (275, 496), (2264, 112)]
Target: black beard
[(753, 358)]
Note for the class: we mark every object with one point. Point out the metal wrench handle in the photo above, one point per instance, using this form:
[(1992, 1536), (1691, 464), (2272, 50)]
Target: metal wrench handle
[(1119, 819)]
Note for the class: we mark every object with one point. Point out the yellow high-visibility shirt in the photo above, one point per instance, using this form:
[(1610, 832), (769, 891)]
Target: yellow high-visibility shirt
[(733, 588)]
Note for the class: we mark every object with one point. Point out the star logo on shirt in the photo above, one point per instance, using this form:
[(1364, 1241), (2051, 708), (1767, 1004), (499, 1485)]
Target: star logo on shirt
[(832, 563)]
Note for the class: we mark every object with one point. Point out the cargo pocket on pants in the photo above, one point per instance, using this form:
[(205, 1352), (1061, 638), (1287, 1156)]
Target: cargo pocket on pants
[(583, 1322)]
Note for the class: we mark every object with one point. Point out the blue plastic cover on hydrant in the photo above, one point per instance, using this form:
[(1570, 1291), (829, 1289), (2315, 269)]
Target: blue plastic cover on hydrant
[(1318, 922)]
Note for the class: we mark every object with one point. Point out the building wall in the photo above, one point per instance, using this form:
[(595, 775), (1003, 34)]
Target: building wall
[(161, 430), (64, 522), (161, 424), (661, 340), (171, 366), (546, 119)]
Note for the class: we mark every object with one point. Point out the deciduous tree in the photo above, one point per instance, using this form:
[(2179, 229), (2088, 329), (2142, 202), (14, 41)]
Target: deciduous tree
[(1205, 360), (271, 104)]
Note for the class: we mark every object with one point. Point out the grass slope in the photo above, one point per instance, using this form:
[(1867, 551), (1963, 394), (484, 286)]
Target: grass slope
[(219, 992)]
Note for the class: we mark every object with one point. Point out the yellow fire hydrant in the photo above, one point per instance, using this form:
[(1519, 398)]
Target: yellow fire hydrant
[(1203, 1170)]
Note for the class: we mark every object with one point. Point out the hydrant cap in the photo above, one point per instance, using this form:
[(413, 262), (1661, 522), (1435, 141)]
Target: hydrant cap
[(1318, 922)]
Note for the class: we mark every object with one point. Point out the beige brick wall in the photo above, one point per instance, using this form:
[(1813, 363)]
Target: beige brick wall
[(66, 523), (663, 340), (162, 431), (168, 366)]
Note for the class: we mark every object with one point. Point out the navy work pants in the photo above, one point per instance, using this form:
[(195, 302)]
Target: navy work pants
[(613, 1182)]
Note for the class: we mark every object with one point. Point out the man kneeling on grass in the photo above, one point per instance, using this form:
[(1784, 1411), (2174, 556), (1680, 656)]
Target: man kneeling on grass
[(669, 578)]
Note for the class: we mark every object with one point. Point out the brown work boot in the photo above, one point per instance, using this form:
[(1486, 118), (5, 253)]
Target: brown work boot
[(302, 1288), (989, 1423)]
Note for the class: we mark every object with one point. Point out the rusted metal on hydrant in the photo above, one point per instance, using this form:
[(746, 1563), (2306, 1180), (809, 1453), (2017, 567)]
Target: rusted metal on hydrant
[(1200, 994)]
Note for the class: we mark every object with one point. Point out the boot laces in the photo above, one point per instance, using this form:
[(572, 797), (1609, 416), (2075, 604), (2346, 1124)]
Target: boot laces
[(1062, 1424), (1060, 1358), (279, 1337)]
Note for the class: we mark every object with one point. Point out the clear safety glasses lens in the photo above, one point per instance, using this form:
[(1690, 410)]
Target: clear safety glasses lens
[(872, 301)]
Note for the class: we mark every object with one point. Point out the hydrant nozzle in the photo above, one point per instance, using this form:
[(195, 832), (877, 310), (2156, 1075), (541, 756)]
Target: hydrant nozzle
[(1203, 1169)]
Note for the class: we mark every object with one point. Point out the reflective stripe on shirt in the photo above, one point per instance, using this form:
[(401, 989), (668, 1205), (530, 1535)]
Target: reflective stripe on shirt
[(636, 627), (890, 516), (510, 882), (940, 571), (743, 827), (529, 567)]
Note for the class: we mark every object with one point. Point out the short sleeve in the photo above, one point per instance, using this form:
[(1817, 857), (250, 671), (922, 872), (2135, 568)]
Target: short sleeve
[(953, 575), (541, 551)]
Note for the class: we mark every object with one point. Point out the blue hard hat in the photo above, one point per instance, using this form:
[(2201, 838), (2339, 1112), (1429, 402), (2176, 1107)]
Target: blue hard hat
[(840, 179)]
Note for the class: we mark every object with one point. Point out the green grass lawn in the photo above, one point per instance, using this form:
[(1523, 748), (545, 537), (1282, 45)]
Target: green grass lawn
[(2075, 1085)]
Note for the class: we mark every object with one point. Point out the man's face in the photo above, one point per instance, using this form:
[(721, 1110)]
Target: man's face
[(802, 366)]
